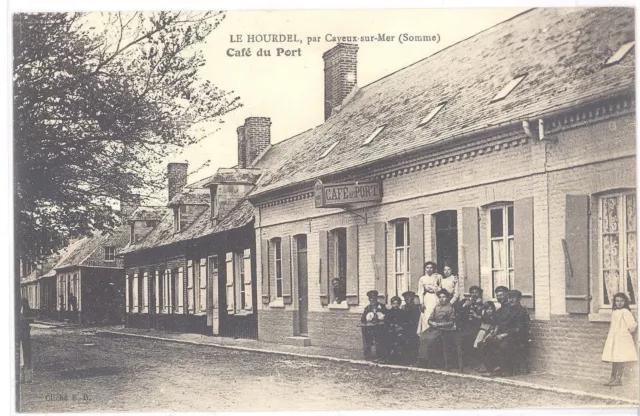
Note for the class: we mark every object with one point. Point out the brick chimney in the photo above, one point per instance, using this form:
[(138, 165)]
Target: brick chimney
[(128, 204), (176, 178), (253, 138), (340, 75)]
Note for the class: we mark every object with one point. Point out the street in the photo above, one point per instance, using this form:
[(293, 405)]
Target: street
[(77, 371)]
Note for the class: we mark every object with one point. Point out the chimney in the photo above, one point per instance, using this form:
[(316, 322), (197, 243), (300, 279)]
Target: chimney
[(242, 148), (340, 75), (128, 204), (255, 137), (177, 178)]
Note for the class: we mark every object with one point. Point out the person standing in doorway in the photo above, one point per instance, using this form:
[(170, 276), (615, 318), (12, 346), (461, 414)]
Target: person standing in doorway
[(619, 349), (450, 283), (73, 307)]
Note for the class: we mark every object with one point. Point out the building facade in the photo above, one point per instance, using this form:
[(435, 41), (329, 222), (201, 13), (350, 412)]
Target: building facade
[(517, 172)]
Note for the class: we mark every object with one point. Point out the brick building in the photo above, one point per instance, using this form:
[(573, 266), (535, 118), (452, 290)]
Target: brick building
[(510, 154), (190, 265)]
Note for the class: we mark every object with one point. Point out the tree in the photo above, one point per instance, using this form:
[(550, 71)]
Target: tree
[(100, 100)]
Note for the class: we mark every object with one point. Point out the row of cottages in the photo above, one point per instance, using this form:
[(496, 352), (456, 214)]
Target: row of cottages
[(510, 155), (190, 265), (86, 276)]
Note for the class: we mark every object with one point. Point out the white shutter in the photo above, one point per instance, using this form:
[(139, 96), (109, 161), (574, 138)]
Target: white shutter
[(230, 284), (202, 296), (127, 294), (180, 294), (145, 292), (190, 294), (248, 286), (157, 288), (134, 289)]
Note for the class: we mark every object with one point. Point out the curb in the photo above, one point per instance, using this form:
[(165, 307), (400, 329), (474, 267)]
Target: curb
[(505, 381)]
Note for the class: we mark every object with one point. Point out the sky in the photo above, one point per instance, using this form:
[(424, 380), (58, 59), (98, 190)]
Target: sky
[(290, 90)]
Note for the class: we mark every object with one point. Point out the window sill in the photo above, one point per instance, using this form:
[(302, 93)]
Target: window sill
[(277, 303), (338, 306), (603, 315)]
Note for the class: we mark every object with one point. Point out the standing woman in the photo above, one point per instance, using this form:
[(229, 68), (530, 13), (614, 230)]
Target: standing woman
[(450, 283), (428, 286), (619, 348)]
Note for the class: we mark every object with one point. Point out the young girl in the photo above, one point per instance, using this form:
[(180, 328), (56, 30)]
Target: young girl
[(487, 330), (619, 347)]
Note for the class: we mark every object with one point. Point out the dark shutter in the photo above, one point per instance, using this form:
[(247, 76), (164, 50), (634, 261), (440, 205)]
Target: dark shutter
[(323, 252), (523, 250), (380, 258), (265, 271), (416, 250), (576, 251), (470, 247), (352, 265), (286, 269)]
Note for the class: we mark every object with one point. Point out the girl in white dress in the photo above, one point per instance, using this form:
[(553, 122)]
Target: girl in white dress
[(428, 285), (450, 283), (620, 348)]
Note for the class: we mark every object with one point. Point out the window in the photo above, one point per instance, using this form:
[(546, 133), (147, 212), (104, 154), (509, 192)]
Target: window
[(109, 254), (618, 242), (329, 149), (145, 292), (247, 283), (176, 219), (373, 135), (202, 280), (506, 90), (241, 280), (431, 114), (176, 290), (214, 201), (401, 256), (191, 271), (501, 243), (167, 305), (136, 293), (151, 223), (132, 233), (277, 262), (620, 53), (338, 265)]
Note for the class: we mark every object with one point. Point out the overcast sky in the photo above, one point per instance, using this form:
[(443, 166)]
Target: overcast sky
[(289, 90)]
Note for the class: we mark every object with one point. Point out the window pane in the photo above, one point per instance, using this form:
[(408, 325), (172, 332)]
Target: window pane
[(399, 260), (632, 251), (612, 284), (632, 278), (278, 249), (302, 242), (497, 256), (510, 220), (342, 254), (631, 212), (399, 234), (610, 214), (279, 288), (408, 257), (511, 281), (496, 223), (610, 252), (499, 278)]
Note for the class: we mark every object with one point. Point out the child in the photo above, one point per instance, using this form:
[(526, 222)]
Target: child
[(396, 320), (619, 347), (486, 331)]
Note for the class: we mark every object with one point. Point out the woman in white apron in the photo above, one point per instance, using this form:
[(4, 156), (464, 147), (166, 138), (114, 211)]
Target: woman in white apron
[(451, 284), (428, 285)]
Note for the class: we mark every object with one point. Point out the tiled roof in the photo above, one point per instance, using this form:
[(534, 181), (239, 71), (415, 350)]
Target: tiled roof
[(84, 251), (145, 213), (562, 51), (236, 176), (191, 197)]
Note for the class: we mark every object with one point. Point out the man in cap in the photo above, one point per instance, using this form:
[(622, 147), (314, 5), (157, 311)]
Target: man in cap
[(372, 318), (512, 333), (413, 316)]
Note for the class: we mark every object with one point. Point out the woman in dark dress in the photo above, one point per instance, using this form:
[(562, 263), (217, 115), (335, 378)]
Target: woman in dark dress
[(435, 338)]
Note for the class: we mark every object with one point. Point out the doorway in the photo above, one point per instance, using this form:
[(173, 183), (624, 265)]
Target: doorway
[(447, 240), (303, 289)]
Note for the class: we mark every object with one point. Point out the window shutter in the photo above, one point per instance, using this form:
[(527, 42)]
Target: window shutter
[(523, 249), (180, 290), (470, 248), (272, 269), (202, 280), (352, 265), (145, 292), (323, 252), (265, 271), (286, 269), (135, 291), (127, 294), (248, 281), (190, 279), (380, 259), (231, 299), (416, 250), (157, 288), (576, 252)]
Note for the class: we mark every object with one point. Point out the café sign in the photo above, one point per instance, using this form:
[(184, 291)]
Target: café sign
[(340, 194)]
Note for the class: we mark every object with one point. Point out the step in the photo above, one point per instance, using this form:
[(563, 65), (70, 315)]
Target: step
[(299, 341)]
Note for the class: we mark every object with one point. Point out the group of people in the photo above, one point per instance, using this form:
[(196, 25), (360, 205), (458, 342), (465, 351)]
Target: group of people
[(447, 329)]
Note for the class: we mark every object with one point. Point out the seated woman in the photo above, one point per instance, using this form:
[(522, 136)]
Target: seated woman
[(435, 341), (397, 325)]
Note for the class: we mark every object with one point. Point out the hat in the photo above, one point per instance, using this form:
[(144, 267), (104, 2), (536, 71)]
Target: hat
[(409, 293), (514, 294), (501, 289), (443, 291), (396, 298), (372, 294), (478, 288)]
